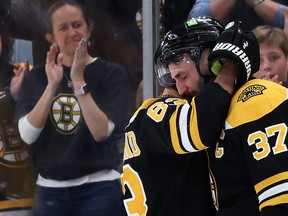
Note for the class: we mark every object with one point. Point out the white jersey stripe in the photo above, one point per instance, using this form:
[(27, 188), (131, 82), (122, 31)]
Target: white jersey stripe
[(183, 121), (273, 191)]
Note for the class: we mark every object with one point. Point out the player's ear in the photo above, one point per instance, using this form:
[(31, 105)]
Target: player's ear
[(49, 37)]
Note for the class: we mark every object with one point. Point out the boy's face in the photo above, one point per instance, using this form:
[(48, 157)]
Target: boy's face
[(273, 60)]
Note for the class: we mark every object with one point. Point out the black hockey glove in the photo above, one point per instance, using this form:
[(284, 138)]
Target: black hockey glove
[(242, 47)]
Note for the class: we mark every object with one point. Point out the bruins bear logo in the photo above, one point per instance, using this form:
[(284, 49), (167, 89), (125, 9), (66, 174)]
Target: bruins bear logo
[(251, 91), (65, 113), (13, 152)]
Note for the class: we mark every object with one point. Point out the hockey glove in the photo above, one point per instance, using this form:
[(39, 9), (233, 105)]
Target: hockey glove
[(242, 47)]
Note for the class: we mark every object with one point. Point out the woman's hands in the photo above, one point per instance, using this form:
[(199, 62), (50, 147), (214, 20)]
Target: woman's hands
[(79, 62), (17, 80), (54, 70)]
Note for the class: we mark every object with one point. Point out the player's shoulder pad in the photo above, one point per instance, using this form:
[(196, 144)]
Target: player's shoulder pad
[(255, 99), (144, 106)]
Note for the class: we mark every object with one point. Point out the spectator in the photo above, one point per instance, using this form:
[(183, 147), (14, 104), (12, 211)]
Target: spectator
[(273, 54), (251, 15), (200, 8), (17, 176), (115, 30), (68, 112)]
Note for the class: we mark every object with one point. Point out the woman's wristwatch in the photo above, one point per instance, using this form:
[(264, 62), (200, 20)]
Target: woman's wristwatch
[(82, 90), (257, 2)]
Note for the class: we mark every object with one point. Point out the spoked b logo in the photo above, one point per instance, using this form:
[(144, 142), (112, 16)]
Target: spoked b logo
[(65, 113)]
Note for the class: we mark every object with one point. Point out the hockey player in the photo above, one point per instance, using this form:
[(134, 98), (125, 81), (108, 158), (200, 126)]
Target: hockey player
[(159, 176), (249, 169), (249, 165)]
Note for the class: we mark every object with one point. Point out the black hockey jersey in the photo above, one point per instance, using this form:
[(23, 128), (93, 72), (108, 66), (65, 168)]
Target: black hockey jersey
[(17, 177), (159, 177), (249, 166)]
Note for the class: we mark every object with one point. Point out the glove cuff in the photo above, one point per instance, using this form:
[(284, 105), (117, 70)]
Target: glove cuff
[(233, 52)]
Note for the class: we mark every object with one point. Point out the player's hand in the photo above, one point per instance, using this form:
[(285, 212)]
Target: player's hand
[(241, 47)]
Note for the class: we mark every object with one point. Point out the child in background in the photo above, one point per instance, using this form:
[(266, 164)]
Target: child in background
[(273, 54)]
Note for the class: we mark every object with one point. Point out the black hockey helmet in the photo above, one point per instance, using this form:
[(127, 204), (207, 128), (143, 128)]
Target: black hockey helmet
[(190, 37)]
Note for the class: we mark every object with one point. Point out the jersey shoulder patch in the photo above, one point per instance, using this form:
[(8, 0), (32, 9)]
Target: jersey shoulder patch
[(253, 100)]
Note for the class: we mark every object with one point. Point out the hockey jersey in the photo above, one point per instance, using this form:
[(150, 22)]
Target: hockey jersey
[(17, 177), (249, 165), (159, 176)]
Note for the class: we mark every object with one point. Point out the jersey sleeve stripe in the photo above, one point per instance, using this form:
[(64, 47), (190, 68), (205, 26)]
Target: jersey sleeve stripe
[(278, 189), (184, 127), (184, 130), (273, 191), (175, 139), (274, 201), (194, 129), (270, 181)]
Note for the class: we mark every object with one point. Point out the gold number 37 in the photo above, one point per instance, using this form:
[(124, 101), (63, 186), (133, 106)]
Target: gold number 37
[(260, 140)]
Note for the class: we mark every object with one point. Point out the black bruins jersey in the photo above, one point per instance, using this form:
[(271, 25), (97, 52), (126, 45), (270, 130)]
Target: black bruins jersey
[(17, 178), (249, 166), (159, 177)]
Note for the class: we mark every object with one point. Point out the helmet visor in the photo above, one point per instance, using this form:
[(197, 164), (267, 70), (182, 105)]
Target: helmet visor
[(164, 76)]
